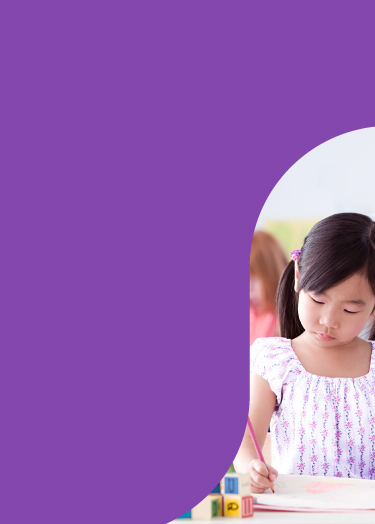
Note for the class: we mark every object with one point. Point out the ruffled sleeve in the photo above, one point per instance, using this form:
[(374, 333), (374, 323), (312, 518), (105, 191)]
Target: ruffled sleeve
[(273, 359)]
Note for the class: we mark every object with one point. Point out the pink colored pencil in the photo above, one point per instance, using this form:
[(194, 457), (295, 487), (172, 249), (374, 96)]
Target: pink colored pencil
[(256, 444)]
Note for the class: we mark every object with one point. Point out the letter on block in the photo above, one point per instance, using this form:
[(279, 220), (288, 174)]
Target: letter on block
[(186, 515), (221, 502), (236, 506), (208, 509), (237, 484)]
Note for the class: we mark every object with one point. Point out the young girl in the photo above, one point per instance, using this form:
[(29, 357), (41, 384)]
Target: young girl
[(267, 262), (317, 383)]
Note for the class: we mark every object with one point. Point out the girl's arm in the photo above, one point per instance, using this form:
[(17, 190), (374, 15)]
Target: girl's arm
[(262, 404)]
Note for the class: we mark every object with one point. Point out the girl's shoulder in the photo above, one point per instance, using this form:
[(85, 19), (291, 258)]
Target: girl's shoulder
[(275, 351), (274, 344), (274, 359)]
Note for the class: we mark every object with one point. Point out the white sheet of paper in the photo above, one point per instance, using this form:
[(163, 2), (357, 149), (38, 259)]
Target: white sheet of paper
[(304, 491)]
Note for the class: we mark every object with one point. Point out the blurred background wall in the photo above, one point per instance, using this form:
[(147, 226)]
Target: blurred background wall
[(337, 176)]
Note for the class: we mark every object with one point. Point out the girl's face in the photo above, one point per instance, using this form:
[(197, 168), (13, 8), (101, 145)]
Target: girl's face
[(338, 315)]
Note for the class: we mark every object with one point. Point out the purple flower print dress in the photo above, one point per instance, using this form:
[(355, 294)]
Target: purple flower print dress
[(320, 425)]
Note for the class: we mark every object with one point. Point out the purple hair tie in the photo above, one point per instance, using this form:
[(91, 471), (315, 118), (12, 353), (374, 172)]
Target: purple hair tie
[(295, 254)]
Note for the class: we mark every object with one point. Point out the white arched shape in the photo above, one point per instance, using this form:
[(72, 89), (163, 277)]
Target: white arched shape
[(337, 176)]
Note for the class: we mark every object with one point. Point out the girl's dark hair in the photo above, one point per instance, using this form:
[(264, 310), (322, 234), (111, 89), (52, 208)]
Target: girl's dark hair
[(335, 249)]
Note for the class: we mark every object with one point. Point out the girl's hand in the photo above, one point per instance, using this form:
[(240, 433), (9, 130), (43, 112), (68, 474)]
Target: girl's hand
[(261, 477)]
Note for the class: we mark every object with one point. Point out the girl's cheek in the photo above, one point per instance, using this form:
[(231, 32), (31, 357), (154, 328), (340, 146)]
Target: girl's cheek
[(303, 314), (303, 306), (360, 325), (353, 328)]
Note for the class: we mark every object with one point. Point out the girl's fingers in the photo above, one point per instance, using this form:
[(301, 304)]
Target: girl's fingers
[(267, 471), (260, 481), (257, 485), (262, 476), (256, 490), (272, 473), (261, 468)]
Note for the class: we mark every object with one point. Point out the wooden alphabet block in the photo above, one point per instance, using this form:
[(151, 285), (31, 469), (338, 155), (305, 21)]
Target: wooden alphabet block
[(186, 515), (236, 506), (216, 489), (221, 502), (208, 509), (237, 484), (222, 486)]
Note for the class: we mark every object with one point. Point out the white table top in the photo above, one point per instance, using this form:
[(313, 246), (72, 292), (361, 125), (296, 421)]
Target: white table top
[(291, 517)]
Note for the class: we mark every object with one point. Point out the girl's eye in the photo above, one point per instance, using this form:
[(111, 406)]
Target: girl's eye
[(346, 311)]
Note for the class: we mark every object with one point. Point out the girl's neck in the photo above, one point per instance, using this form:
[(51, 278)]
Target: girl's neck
[(348, 360)]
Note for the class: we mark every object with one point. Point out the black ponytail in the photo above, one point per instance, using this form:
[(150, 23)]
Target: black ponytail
[(287, 304)]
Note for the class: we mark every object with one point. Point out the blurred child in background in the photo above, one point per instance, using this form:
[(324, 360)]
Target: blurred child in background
[(267, 262)]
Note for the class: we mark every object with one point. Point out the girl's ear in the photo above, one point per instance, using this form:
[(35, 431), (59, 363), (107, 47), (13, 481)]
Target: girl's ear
[(296, 275)]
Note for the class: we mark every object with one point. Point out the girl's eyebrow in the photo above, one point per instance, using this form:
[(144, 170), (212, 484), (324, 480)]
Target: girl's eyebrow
[(358, 302)]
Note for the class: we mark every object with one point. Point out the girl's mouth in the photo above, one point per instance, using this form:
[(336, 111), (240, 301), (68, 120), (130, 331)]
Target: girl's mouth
[(325, 337)]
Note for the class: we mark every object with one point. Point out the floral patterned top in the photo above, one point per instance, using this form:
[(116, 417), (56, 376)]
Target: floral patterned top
[(320, 425)]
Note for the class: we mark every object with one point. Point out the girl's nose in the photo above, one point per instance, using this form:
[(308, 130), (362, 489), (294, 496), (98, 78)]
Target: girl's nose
[(329, 320)]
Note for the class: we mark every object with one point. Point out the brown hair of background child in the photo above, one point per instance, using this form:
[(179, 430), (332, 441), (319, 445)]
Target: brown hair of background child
[(336, 248), (267, 263)]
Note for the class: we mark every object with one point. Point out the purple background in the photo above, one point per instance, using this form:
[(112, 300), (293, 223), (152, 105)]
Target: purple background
[(138, 145)]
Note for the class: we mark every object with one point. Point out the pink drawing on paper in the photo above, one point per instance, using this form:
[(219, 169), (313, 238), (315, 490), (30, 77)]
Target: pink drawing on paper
[(323, 487)]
